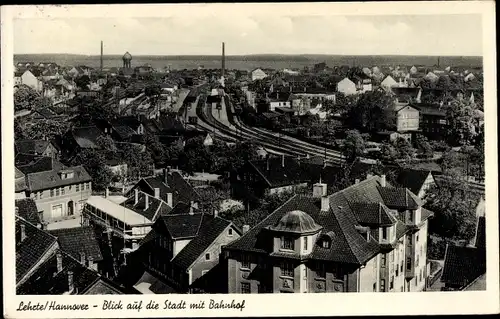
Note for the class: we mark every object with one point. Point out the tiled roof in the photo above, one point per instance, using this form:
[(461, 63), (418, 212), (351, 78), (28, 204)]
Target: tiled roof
[(48, 281), (156, 207), (210, 228), (51, 179), (86, 137), (373, 214), (399, 198), (38, 164), (31, 146), (181, 190), (462, 265), (28, 210), (31, 250), (427, 109), (279, 175), (412, 179), (20, 183), (348, 208), (183, 225), (130, 121), (78, 240), (124, 131)]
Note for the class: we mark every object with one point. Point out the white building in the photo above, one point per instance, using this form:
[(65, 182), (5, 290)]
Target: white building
[(258, 74), (347, 87)]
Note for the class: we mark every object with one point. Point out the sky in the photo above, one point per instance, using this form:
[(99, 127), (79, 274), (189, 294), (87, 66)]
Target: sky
[(458, 34)]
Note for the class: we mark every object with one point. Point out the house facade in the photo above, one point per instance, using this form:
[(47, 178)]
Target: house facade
[(365, 238), (60, 193), (29, 79), (407, 118), (347, 87)]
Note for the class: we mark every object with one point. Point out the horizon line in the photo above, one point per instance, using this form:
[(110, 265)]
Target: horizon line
[(256, 54)]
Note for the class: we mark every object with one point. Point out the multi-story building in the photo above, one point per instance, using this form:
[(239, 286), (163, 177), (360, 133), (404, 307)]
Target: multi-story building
[(369, 237), (183, 248), (433, 121), (59, 192)]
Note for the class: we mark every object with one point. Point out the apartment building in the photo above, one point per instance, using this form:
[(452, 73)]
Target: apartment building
[(369, 237), (59, 192)]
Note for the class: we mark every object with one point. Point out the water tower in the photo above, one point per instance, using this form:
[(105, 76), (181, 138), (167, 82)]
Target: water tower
[(127, 60)]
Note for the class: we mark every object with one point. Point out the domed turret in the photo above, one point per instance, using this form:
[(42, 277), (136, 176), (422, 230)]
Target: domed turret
[(127, 58), (296, 221)]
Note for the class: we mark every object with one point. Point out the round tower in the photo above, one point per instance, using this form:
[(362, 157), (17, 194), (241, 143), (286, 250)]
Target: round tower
[(127, 60)]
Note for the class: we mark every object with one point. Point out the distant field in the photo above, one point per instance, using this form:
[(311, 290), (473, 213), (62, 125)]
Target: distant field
[(253, 61)]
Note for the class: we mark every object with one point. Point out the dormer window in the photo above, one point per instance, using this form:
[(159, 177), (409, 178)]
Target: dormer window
[(306, 241), (287, 243), (384, 233), (325, 243)]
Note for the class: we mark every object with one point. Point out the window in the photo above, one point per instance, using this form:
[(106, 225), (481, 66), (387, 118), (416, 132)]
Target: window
[(305, 273), (245, 261), (374, 287), (382, 285), (325, 243), (57, 191), (410, 216), (384, 233), (306, 239), (287, 269), (410, 240), (287, 243), (320, 270), (416, 239), (35, 195), (230, 232), (401, 267), (392, 256), (207, 256), (40, 195), (63, 190), (245, 288), (391, 284), (408, 263), (421, 274), (52, 193), (382, 260), (397, 270), (416, 262), (77, 187)]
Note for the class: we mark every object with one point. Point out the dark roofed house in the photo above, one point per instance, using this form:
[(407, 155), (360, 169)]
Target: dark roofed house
[(80, 243), (357, 232), (417, 181), (86, 137), (36, 147), (26, 209), (29, 164), (183, 249), (168, 183), (61, 274), (33, 247)]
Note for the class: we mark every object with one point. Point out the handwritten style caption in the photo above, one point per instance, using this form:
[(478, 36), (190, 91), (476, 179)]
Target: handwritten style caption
[(139, 305)]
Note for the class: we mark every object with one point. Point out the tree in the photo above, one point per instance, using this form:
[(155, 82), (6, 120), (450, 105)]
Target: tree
[(424, 146), (25, 98), (138, 162), (460, 117), (388, 152), (18, 130), (95, 164), (45, 129), (404, 149), (153, 93), (373, 112), (354, 146), (454, 207), (106, 143), (83, 82)]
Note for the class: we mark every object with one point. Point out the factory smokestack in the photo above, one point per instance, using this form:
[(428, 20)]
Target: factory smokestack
[(223, 60), (102, 50)]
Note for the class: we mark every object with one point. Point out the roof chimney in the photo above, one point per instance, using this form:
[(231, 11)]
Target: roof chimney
[(325, 203), (91, 261), (23, 232), (382, 180), (319, 190), (267, 163), (356, 181), (191, 208), (82, 258), (282, 160), (165, 176), (157, 192), (106, 194), (59, 261), (136, 196), (369, 176), (246, 228), (71, 285), (170, 201), (146, 199)]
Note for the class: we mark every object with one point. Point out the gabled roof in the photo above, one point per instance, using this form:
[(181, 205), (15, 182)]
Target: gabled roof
[(31, 250), (462, 265), (210, 228), (182, 225), (279, 175), (413, 179), (27, 210), (78, 240), (373, 214), (156, 207), (31, 146), (52, 179), (399, 198), (48, 281), (181, 190)]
